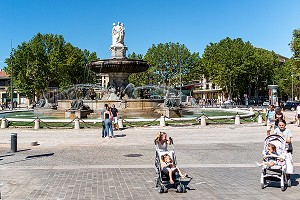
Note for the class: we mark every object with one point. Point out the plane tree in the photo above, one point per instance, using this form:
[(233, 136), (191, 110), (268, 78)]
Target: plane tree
[(47, 60), (169, 62)]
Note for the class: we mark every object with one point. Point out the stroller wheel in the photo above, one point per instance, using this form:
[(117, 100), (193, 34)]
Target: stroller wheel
[(283, 188), (165, 189), (289, 183), (263, 182), (157, 182), (179, 188), (183, 188), (160, 189)]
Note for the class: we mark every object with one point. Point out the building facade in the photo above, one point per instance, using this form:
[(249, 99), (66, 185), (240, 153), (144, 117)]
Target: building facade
[(19, 99)]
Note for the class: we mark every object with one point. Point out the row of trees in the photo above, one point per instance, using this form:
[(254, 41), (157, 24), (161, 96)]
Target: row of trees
[(236, 66), (48, 60)]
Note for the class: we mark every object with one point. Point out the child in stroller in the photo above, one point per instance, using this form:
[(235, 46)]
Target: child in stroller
[(275, 163), (168, 167), (165, 164), (269, 161)]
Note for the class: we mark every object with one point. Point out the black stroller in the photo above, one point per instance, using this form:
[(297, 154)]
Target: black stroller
[(163, 179)]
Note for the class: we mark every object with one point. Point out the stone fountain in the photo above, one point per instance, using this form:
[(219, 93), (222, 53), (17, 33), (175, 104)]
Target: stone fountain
[(114, 72), (113, 86)]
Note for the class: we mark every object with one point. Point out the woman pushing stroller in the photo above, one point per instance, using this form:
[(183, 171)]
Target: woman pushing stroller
[(286, 134), (162, 141), (169, 175)]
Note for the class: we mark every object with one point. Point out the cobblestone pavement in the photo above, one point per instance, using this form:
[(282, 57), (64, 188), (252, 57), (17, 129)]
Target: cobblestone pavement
[(79, 164)]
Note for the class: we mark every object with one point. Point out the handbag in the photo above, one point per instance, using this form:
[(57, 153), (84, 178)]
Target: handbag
[(290, 148), (111, 117)]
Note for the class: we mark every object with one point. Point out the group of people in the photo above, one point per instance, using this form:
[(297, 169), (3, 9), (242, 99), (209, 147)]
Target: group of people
[(276, 121), (109, 117), (167, 163)]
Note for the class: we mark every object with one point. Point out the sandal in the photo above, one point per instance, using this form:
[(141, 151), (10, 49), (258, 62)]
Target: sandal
[(184, 175)]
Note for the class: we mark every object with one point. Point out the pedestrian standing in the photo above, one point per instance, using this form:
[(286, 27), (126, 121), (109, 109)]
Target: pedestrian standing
[(107, 116), (270, 119), (115, 112), (298, 114), (104, 133)]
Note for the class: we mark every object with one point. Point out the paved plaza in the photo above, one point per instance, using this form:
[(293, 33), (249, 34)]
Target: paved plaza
[(79, 164)]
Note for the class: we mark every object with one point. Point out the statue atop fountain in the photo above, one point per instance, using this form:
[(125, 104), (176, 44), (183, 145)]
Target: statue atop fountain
[(118, 49)]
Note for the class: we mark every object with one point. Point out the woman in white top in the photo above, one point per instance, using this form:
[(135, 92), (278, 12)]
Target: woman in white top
[(162, 141), (286, 134), (298, 115)]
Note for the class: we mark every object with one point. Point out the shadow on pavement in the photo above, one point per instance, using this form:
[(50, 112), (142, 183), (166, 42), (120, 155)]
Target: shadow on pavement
[(38, 156), (7, 155), (294, 180), (23, 150)]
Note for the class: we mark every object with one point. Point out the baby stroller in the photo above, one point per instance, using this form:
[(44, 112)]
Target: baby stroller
[(163, 179), (279, 171)]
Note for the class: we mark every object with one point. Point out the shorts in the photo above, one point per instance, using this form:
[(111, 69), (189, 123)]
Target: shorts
[(167, 169), (270, 127), (298, 116), (115, 120)]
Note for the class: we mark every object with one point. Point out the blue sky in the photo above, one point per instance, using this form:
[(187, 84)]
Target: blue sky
[(87, 24)]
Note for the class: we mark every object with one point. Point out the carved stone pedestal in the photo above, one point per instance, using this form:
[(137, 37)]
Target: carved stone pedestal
[(118, 51)]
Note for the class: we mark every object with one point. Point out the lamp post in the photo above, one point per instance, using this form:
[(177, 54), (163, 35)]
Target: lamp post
[(11, 83), (180, 101), (292, 87)]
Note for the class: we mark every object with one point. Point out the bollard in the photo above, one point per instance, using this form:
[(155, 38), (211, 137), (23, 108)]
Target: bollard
[(37, 123), (3, 123), (260, 120), (203, 122), (237, 119), (77, 124), (120, 124), (251, 109), (13, 142), (162, 121)]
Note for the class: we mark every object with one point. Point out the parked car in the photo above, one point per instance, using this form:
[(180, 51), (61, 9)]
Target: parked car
[(266, 103), (291, 105)]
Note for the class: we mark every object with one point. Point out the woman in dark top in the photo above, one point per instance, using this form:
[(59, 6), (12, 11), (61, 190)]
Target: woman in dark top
[(108, 124), (279, 116)]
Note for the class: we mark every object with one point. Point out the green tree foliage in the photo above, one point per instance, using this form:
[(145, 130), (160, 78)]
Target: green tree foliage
[(235, 66), (262, 70), (168, 60), (295, 44), (295, 64), (227, 63), (47, 60), (138, 79), (283, 78)]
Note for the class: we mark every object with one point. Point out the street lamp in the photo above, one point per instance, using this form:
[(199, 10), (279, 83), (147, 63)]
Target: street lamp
[(11, 83), (180, 101), (292, 87)]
